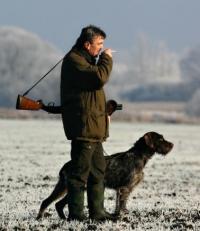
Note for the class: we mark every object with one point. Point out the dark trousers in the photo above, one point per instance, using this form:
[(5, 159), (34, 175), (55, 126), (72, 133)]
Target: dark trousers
[(88, 168), (88, 164)]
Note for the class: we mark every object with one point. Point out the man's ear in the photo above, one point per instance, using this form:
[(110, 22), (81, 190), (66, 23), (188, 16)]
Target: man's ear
[(87, 45), (148, 140)]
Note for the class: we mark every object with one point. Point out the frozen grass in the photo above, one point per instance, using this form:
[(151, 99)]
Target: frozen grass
[(32, 153)]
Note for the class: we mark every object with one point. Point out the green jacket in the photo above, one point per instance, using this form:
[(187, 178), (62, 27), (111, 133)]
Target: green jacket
[(82, 96)]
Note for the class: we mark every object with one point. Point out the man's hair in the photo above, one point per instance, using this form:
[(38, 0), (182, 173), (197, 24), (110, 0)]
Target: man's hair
[(87, 35)]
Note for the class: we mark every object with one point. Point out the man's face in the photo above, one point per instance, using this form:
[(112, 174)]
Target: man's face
[(95, 46)]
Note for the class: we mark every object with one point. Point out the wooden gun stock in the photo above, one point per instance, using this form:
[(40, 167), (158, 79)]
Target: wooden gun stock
[(24, 103)]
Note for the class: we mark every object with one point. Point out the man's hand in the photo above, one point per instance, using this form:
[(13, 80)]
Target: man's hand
[(108, 51)]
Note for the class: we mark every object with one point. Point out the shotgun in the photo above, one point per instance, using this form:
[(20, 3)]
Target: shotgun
[(25, 103)]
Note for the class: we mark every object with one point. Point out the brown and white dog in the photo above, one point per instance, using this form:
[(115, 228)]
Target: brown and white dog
[(124, 171)]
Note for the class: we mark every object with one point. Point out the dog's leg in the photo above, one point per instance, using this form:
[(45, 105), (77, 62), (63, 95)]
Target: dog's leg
[(117, 208), (59, 190), (122, 199), (60, 206), (124, 192)]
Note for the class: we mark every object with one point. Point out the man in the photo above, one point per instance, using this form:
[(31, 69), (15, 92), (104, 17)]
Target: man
[(83, 106)]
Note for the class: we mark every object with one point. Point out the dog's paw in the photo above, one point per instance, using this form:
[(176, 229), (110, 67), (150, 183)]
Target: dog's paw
[(39, 217), (60, 212), (124, 211), (44, 215)]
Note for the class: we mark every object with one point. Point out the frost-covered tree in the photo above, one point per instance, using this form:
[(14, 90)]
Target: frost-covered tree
[(144, 64), (154, 62), (190, 65), (24, 58), (193, 106), (190, 70)]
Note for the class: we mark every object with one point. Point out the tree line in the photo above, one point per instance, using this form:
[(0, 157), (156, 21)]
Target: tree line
[(146, 72)]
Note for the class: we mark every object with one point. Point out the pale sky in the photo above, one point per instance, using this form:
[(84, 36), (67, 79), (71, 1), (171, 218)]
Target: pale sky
[(174, 21)]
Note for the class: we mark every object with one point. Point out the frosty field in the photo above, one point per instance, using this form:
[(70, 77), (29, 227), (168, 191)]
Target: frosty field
[(33, 151)]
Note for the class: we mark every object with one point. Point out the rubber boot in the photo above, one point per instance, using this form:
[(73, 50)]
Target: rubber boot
[(76, 204), (95, 194)]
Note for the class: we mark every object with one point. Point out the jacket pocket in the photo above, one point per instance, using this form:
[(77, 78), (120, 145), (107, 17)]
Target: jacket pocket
[(73, 124), (95, 125)]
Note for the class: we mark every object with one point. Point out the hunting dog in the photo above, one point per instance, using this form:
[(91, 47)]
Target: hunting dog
[(124, 171)]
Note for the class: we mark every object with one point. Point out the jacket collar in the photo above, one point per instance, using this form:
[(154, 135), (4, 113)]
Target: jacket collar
[(86, 55)]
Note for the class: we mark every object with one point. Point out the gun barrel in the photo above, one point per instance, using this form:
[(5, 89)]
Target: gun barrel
[(119, 107)]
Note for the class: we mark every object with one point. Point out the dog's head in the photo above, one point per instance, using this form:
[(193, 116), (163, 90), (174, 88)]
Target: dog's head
[(157, 143), (153, 142)]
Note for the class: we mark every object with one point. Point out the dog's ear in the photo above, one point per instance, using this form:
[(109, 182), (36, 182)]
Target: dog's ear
[(148, 140)]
